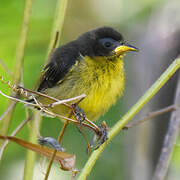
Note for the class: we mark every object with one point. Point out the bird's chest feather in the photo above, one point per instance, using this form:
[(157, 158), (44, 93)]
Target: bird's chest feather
[(103, 82)]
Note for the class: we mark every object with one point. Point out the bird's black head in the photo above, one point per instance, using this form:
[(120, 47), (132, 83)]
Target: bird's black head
[(104, 41)]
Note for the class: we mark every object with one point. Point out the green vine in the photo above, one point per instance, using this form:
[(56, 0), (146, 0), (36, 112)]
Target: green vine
[(129, 115)]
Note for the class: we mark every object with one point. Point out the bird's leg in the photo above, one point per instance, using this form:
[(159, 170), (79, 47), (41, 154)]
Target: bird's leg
[(89, 150), (93, 141), (100, 137), (101, 130), (103, 137), (80, 117), (79, 113)]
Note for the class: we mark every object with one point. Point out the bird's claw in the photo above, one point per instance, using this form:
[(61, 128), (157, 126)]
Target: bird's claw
[(101, 137), (79, 113)]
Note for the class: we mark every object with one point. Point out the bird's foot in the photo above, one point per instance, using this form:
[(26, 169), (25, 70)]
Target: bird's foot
[(101, 137), (79, 113)]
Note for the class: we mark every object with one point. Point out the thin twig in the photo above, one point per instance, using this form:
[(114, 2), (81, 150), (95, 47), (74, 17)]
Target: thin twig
[(38, 93), (58, 24), (54, 153), (80, 127), (151, 115), (169, 141), (43, 95), (66, 100), (90, 122), (7, 110), (94, 125), (21, 125), (18, 100), (86, 139), (55, 42), (6, 68), (59, 141), (80, 98), (96, 130), (57, 102), (30, 155)]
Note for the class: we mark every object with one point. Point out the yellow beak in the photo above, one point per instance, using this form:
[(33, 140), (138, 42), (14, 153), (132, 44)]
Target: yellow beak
[(124, 48)]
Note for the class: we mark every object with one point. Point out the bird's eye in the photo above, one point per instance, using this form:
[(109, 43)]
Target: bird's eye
[(107, 42)]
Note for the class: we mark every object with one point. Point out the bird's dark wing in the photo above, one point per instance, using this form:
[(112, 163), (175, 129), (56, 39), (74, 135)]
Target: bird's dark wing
[(61, 61)]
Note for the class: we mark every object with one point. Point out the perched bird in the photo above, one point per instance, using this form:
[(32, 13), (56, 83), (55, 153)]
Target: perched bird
[(92, 65)]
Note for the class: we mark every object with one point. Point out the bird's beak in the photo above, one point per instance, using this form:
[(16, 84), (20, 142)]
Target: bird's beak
[(121, 49)]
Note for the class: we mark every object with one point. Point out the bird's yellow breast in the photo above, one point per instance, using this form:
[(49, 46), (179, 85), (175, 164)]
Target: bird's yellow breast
[(105, 81)]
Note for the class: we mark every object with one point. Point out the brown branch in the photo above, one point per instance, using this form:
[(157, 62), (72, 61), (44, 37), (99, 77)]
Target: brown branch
[(28, 93), (169, 141), (81, 97), (80, 128), (151, 115), (18, 100), (86, 140), (54, 153), (48, 97), (96, 130), (5, 143)]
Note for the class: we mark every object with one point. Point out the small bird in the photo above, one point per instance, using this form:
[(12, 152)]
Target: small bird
[(92, 65)]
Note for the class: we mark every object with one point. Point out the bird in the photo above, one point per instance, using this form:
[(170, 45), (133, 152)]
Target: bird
[(92, 65)]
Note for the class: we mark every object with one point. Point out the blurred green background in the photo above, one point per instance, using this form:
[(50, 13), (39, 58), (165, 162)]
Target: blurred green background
[(151, 25)]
